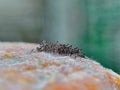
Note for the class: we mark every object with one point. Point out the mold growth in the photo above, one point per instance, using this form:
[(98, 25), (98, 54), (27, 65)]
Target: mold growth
[(61, 49)]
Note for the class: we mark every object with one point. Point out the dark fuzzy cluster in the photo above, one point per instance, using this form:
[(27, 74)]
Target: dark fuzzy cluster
[(61, 49)]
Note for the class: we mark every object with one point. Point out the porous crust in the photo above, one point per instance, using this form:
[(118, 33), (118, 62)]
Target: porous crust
[(22, 67)]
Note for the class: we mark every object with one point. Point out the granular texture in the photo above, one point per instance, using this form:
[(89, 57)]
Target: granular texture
[(22, 67)]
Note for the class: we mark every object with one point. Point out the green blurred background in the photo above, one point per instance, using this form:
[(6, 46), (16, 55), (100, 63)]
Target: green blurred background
[(92, 25)]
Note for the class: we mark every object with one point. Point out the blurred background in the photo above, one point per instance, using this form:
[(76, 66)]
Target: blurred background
[(92, 25)]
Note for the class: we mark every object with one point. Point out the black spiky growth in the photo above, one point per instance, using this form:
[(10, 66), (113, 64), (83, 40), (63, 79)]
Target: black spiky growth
[(61, 49)]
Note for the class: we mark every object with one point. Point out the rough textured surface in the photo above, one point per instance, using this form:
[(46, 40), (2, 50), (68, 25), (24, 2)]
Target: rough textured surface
[(61, 49), (22, 68)]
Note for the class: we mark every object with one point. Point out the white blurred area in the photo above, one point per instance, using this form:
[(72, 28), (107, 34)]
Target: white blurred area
[(58, 20), (65, 19), (23, 20), (20, 19)]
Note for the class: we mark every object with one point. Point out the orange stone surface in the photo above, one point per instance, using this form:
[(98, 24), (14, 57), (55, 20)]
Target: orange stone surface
[(23, 68)]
